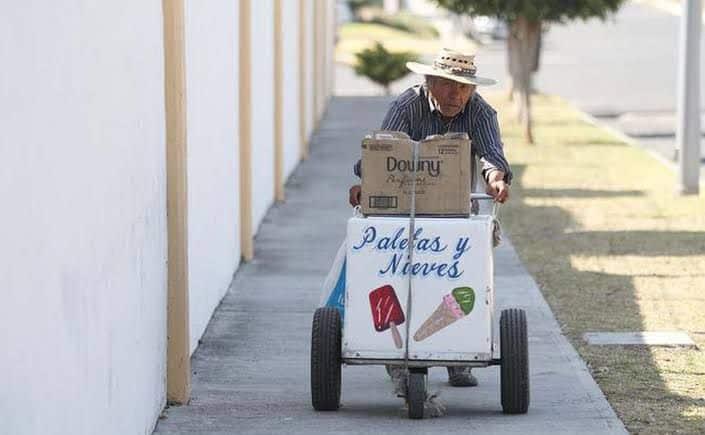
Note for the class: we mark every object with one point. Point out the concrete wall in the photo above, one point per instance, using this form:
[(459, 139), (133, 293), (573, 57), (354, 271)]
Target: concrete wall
[(213, 172), (262, 41), (83, 234), (309, 72), (83, 239), (291, 69)]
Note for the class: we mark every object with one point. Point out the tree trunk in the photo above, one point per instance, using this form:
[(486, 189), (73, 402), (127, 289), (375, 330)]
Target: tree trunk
[(510, 92), (522, 50), (537, 51), (511, 64)]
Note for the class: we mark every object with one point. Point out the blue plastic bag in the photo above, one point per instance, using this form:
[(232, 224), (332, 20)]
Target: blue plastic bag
[(333, 291)]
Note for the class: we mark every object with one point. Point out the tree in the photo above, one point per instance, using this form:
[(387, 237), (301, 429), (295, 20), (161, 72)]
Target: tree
[(525, 19), (382, 66)]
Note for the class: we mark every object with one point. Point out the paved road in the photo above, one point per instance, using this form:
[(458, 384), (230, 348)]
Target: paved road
[(623, 71), (251, 371)]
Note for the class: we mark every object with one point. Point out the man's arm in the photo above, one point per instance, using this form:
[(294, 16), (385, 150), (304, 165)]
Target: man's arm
[(488, 144)]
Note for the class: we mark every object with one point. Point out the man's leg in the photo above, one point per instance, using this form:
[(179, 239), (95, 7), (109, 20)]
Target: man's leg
[(461, 377), (399, 377)]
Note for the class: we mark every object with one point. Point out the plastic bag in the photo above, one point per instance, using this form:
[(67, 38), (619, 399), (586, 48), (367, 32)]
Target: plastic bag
[(333, 290)]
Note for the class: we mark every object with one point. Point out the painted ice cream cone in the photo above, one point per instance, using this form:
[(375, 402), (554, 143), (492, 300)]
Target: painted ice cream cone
[(457, 304)]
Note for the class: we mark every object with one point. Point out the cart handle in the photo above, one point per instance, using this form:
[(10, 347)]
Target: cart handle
[(486, 197), (481, 196)]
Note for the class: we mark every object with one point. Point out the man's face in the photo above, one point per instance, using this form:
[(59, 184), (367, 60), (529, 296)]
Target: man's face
[(451, 96)]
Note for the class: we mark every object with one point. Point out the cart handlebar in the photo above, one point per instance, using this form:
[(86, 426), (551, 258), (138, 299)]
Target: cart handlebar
[(486, 197), (481, 196)]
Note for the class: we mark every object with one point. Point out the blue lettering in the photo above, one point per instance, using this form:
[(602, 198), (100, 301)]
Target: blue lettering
[(453, 271), (397, 235), (462, 247), (369, 236), (392, 266), (436, 245)]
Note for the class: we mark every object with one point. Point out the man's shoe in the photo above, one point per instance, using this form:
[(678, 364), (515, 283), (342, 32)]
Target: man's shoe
[(461, 377)]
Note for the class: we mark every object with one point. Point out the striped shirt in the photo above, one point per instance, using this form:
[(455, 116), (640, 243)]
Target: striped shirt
[(417, 115)]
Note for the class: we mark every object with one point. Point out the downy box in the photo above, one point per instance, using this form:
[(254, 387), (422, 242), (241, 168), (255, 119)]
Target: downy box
[(442, 174)]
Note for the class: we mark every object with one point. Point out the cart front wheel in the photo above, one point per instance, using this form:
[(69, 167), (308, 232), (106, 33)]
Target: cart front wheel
[(325, 359), (514, 349), (416, 394)]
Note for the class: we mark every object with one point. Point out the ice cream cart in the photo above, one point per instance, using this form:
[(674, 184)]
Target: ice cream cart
[(433, 305)]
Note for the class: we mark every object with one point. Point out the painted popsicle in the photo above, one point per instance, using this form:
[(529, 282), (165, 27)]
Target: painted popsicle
[(456, 304), (387, 312)]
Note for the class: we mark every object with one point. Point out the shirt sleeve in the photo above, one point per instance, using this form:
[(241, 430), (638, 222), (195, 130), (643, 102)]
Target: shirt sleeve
[(395, 120), (488, 144)]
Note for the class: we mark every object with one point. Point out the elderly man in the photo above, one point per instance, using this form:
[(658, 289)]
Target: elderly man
[(447, 102)]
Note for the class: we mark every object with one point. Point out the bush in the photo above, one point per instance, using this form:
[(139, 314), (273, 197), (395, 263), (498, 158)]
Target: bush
[(382, 66)]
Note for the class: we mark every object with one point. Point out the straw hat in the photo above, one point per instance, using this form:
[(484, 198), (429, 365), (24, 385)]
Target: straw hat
[(454, 66)]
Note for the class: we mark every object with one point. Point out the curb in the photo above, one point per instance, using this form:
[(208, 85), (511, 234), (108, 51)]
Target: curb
[(635, 143)]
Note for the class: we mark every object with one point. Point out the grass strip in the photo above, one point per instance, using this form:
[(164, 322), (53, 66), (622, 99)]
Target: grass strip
[(598, 225)]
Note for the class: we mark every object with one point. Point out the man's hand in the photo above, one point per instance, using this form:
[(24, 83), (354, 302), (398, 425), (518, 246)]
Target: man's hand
[(355, 195), (496, 186)]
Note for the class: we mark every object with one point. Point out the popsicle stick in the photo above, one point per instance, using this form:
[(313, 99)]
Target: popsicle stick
[(395, 334)]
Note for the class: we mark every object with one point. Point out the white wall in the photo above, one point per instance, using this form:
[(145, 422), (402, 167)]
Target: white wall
[(213, 169), (311, 65), (290, 98), (262, 109), (83, 232), (332, 26)]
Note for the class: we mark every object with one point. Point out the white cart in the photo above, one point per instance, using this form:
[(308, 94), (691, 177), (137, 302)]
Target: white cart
[(448, 321)]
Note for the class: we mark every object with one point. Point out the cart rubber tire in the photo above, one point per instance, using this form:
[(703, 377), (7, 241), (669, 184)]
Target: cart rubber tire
[(514, 349), (416, 394), (325, 359)]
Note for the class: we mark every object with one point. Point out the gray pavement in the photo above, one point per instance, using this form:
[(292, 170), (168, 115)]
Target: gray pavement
[(622, 71), (251, 370)]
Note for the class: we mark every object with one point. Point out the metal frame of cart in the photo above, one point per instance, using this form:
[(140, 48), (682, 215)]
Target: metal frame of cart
[(359, 344)]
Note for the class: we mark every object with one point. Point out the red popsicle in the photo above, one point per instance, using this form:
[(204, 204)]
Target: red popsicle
[(386, 311)]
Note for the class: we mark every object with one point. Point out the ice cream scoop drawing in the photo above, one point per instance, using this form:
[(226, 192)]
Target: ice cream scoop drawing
[(387, 312), (456, 304)]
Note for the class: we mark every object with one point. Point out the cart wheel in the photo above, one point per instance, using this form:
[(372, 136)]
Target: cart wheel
[(325, 359), (514, 349), (416, 394)]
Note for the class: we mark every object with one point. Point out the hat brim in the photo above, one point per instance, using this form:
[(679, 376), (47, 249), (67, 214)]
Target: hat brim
[(429, 70)]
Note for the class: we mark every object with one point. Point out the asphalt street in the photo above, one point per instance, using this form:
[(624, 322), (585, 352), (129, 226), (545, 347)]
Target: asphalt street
[(622, 71)]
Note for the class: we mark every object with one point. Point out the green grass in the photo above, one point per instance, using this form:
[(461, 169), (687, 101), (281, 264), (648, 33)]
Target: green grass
[(597, 224)]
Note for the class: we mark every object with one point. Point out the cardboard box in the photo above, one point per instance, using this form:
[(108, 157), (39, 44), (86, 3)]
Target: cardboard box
[(442, 174)]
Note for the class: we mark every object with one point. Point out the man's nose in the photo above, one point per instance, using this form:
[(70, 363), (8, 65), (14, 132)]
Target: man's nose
[(456, 90)]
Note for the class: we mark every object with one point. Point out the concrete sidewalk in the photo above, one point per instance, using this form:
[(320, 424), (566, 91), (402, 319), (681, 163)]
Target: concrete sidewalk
[(251, 371)]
